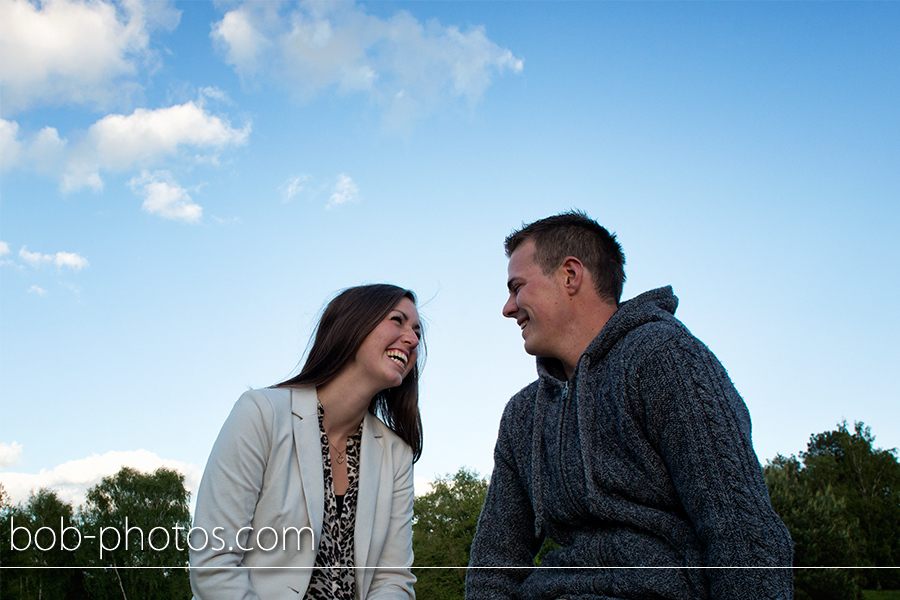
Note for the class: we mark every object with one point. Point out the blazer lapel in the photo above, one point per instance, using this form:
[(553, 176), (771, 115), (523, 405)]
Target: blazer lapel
[(369, 479), (308, 446)]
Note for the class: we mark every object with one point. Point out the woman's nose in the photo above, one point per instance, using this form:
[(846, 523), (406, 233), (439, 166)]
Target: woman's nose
[(411, 338)]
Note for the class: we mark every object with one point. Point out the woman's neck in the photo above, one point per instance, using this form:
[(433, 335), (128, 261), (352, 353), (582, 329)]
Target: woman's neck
[(345, 406)]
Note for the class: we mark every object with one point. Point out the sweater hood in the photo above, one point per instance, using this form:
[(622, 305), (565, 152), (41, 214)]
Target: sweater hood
[(655, 305)]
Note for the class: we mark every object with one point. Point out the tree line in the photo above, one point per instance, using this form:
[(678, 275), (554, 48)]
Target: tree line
[(143, 519), (840, 500)]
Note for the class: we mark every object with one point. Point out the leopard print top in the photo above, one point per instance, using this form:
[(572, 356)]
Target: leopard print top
[(333, 576)]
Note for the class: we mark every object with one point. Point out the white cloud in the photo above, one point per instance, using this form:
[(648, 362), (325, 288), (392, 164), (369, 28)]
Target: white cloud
[(76, 52), (243, 43), (345, 190), (119, 142), (43, 152), (46, 151), (10, 147), (404, 65), (9, 454), (71, 260), (32, 258), (35, 289), (4, 249), (164, 197), (60, 259), (72, 479), (145, 135), (81, 172)]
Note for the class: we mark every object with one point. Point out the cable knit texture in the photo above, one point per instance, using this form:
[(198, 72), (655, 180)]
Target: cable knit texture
[(643, 458)]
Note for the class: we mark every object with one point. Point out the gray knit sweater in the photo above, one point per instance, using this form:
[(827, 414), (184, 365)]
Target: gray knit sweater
[(643, 458)]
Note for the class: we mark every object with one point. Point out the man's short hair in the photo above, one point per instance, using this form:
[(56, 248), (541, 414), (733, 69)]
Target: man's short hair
[(573, 233)]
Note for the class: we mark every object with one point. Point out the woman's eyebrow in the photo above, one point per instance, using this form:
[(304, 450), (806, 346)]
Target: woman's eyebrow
[(417, 326)]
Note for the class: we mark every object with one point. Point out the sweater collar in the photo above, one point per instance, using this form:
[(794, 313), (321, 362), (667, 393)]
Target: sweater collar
[(655, 305)]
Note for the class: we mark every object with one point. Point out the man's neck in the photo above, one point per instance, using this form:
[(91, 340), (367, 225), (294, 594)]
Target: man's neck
[(585, 326)]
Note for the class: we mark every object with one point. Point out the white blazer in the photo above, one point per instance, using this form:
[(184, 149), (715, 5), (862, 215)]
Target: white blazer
[(264, 482)]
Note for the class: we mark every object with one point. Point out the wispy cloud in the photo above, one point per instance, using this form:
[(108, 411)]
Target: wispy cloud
[(76, 52), (293, 186), (228, 222), (406, 66), (4, 250), (164, 197), (36, 289), (71, 260), (72, 479), (345, 190), (215, 94)]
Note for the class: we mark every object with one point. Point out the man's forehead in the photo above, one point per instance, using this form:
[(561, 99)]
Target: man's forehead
[(521, 256)]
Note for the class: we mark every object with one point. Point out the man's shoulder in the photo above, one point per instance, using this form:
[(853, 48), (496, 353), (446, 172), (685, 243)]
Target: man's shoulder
[(520, 407), (526, 396), (528, 392), (657, 335)]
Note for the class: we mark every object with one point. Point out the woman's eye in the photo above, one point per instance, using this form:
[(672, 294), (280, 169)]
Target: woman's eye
[(397, 318)]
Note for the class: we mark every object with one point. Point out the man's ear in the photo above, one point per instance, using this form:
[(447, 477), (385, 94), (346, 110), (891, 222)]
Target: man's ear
[(572, 274)]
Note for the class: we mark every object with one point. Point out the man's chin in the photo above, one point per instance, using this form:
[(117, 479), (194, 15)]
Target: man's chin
[(532, 349)]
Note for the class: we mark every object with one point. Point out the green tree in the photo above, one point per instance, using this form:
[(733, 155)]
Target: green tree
[(867, 479), (824, 533), (842, 507), (443, 528), (140, 520), (14, 583), (45, 536)]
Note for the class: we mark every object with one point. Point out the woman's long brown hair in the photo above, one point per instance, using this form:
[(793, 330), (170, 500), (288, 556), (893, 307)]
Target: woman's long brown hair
[(345, 324)]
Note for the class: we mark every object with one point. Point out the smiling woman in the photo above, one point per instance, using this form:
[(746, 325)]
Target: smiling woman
[(312, 452)]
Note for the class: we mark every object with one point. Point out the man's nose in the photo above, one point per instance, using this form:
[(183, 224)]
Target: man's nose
[(510, 308)]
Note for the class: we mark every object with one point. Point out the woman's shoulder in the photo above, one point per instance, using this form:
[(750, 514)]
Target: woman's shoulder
[(379, 429), (389, 438), (280, 401), (270, 396)]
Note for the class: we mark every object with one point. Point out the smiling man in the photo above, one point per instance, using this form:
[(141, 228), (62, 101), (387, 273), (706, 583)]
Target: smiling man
[(632, 450)]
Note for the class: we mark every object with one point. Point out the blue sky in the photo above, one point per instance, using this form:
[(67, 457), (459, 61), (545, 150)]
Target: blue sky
[(185, 184)]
